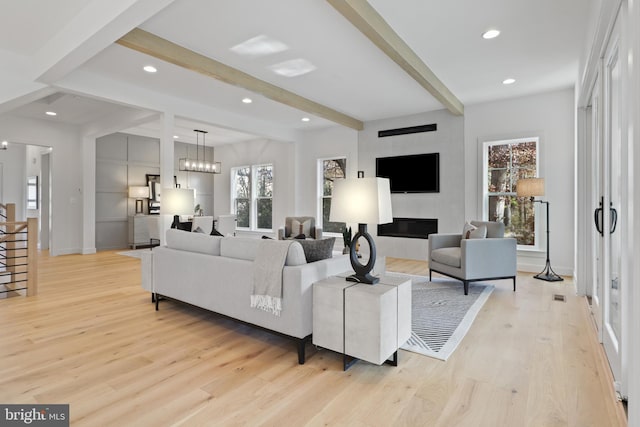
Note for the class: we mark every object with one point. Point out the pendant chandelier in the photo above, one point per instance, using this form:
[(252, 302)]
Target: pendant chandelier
[(197, 164)]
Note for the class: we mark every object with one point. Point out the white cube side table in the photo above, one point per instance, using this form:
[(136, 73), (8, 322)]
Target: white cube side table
[(368, 322), (328, 313)]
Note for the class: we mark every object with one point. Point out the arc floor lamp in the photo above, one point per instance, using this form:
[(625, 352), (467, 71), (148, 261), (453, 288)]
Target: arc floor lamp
[(534, 187)]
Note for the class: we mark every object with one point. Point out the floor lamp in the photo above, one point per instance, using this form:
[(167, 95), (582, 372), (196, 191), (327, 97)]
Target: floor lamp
[(363, 201), (532, 187)]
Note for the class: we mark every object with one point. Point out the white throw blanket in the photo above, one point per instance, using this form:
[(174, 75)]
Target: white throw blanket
[(267, 275)]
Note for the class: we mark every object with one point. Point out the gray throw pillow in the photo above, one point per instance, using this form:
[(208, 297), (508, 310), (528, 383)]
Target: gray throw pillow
[(315, 250)]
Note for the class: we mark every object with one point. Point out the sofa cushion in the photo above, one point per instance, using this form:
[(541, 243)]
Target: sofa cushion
[(193, 242), (447, 256), (246, 248), (315, 250)]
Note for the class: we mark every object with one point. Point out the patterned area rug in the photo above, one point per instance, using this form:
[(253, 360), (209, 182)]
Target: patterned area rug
[(442, 314)]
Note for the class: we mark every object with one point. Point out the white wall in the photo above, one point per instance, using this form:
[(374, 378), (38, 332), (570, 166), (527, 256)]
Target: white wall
[(333, 142), (66, 172), (260, 151), (14, 177), (551, 117), (448, 206)]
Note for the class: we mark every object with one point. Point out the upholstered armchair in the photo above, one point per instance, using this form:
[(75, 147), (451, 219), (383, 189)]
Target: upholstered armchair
[(474, 257), (297, 225)]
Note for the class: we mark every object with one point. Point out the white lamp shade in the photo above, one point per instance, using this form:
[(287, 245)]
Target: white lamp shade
[(177, 201), (361, 200), (530, 187), (139, 192)]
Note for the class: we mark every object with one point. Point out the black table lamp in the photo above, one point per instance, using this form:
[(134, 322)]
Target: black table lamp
[(176, 202), (363, 201)]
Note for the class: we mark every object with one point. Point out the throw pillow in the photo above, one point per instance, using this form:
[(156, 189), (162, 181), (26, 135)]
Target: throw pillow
[(298, 227), (467, 229), (479, 233), (215, 232), (315, 250), (198, 230)]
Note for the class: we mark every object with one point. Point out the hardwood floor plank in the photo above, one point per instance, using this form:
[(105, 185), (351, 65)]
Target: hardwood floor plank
[(91, 338)]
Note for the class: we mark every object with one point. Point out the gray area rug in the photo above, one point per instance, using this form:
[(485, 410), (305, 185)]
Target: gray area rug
[(442, 314), (133, 254)]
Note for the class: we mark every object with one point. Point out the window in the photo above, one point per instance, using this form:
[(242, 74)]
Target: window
[(32, 192), (252, 196), (330, 170), (264, 196), (505, 162)]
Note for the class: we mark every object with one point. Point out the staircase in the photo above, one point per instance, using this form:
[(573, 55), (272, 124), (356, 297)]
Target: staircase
[(18, 254)]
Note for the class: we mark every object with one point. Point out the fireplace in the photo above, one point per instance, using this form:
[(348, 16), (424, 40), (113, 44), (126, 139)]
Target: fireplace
[(413, 228)]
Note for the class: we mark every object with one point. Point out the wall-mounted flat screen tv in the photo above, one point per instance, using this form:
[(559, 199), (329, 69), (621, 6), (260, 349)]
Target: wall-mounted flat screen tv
[(417, 173)]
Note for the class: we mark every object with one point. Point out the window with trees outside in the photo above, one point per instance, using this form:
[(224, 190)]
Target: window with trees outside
[(330, 170), (252, 196), (505, 162)]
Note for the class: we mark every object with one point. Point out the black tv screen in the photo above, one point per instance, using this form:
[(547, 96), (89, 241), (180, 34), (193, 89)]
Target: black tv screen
[(418, 173)]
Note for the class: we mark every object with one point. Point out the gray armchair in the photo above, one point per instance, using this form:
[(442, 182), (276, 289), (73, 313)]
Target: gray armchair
[(470, 260), (296, 225)]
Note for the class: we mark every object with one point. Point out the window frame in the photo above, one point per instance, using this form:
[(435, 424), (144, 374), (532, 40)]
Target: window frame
[(485, 185), (320, 194), (253, 195)]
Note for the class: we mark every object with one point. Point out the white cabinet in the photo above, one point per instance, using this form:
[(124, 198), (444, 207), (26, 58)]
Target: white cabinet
[(368, 322), (138, 231)]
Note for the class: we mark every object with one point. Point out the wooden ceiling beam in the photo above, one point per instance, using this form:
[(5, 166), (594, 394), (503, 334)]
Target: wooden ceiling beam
[(150, 44), (366, 19)]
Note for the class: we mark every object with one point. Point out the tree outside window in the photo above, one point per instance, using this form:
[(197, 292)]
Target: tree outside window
[(505, 163), (264, 196), (332, 169), (242, 195)]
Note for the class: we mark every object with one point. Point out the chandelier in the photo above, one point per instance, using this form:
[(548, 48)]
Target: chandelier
[(197, 164)]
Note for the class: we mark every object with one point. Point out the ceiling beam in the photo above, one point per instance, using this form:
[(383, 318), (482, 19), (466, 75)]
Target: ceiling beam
[(366, 19), (150, 44)]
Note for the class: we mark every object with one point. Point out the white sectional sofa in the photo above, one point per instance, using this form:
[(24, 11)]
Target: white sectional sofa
[(216, 273)]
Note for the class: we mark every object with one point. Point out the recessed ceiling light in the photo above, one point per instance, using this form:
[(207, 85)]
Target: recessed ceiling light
[(490, 34), (306, 119), (4, 145), (150, 69), (247, 100), (175, 137), (51, 113), (259, 46), (508, 81), (293, 67)]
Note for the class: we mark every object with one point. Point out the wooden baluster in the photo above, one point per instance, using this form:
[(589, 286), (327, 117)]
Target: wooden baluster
[(32, 256), (11, 244)]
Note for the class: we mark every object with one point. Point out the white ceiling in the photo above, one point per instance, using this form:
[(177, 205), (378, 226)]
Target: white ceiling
[(539, 46)]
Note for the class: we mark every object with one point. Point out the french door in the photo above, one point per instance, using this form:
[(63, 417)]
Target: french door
[(596, 190), (609, 183)]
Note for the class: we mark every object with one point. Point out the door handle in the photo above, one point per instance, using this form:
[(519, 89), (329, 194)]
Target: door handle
[(597, 218), (614, 218)]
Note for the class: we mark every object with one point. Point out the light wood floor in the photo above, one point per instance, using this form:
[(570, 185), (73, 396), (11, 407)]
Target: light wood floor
[(91, 338)]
